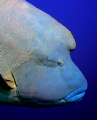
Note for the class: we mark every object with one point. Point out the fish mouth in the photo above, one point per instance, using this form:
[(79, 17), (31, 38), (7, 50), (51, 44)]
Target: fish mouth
[(74, 96), (73, 99)]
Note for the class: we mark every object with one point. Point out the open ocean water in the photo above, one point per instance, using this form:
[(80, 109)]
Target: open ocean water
[(80, 17)]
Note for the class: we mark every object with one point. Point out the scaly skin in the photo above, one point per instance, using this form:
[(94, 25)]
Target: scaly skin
[(34, 44)]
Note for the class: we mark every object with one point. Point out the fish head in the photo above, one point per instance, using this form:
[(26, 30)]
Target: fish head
[(49, 77)]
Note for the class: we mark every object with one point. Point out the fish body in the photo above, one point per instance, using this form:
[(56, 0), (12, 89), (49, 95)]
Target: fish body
[(35, 67)]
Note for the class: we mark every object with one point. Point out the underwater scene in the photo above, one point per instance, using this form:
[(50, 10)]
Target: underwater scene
[(64, 78)]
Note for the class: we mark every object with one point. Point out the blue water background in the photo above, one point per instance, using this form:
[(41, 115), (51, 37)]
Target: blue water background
[(80, 17)]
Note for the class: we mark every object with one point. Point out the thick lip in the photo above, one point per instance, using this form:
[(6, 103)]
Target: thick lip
[(75, 96), (79, 92)]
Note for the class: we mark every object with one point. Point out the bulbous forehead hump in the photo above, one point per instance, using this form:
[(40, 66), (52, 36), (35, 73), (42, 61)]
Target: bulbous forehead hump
[(58, 33)]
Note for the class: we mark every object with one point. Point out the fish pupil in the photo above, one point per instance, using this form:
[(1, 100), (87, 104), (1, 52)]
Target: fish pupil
[(59, 63)]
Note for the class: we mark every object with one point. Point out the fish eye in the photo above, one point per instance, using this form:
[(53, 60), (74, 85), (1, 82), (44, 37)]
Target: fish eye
[(60, 62)]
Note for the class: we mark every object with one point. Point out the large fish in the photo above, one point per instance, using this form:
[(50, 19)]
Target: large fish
[(35, 64)]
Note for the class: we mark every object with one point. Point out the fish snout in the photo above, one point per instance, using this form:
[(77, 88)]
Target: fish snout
[(74, 96)]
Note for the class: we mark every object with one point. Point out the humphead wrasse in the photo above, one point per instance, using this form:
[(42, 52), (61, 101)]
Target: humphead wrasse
[(35, 64)]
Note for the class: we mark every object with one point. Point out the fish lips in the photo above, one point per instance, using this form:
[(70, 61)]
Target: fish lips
[(74, 96)]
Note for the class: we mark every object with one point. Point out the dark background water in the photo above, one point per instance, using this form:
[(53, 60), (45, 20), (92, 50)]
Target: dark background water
[(80, 17)]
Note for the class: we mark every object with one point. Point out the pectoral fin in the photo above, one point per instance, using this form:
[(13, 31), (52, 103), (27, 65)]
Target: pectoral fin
[(4, 84)]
